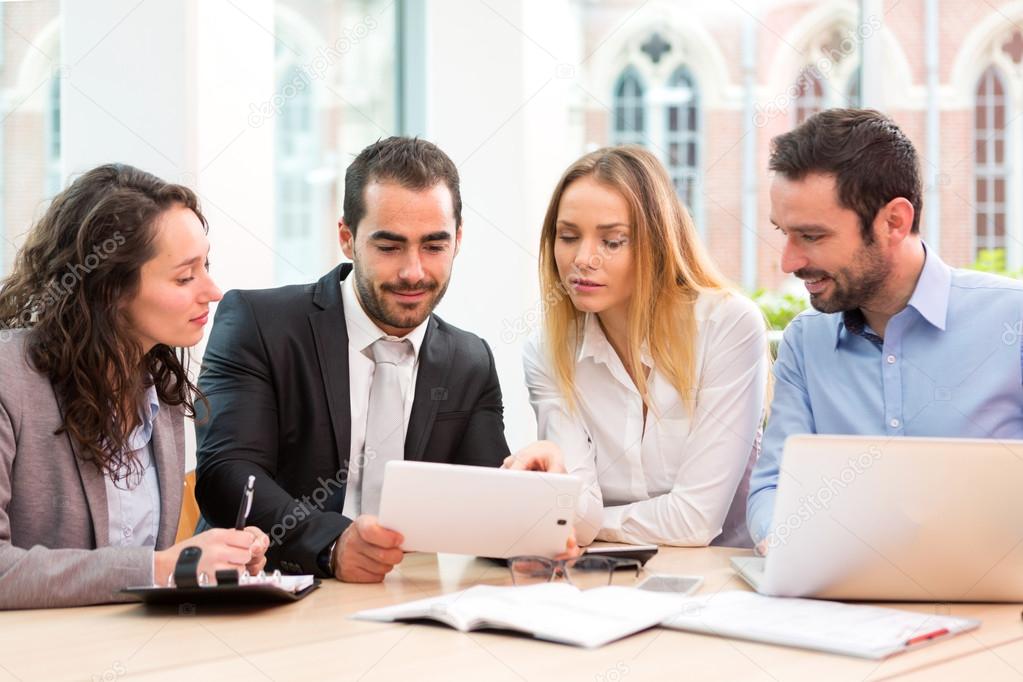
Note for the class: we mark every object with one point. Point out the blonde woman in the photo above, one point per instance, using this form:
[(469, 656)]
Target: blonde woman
[(650, 371)]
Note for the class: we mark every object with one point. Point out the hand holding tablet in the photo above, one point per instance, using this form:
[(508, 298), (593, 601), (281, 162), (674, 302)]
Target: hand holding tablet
[(479, 511)]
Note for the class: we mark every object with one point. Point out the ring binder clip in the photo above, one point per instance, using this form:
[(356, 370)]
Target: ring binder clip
[(186, 570), (227, 576)]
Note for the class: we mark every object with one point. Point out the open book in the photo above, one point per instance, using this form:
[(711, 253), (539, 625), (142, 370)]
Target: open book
[(557, 612), (849, 629)]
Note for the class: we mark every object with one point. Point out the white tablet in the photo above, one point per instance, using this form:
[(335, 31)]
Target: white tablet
[(478, 510)]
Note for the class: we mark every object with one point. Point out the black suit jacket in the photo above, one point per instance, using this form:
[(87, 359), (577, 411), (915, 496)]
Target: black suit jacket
[(275, 373)]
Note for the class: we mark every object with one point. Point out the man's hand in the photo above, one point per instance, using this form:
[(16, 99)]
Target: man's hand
[(761, 548), (542, 455), (366, 551)]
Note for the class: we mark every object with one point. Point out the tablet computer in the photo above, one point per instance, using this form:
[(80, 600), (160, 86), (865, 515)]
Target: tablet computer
[(480, 511)]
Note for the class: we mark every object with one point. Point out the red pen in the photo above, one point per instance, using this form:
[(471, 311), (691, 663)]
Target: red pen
[(924, 638)]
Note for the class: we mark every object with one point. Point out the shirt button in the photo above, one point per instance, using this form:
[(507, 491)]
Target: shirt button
[(127, 532), (894, 423), (890, 359)]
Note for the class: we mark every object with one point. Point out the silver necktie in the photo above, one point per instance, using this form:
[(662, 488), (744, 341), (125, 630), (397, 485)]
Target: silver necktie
[(385, 421)]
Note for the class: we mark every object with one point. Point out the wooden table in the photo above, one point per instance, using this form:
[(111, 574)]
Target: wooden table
[(315, 640)]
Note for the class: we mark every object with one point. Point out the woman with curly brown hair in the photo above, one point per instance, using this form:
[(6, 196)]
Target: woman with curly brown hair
[(111, 285)]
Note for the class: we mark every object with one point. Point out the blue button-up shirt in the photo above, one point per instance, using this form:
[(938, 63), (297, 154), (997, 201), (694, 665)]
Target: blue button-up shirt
[(950, 365), (133, 502)]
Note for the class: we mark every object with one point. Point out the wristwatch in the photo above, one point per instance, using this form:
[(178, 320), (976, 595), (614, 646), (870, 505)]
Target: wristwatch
[(325, 559)]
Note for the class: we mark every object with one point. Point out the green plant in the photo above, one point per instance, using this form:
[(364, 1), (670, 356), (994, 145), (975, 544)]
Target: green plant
[(993, 261), (778, 308)]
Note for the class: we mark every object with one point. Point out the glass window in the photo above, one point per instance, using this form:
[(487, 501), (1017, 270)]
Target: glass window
[(629, 109), (52, 151), (682, 134), (336, 93), (990, 172), (29, 118), (809, 95), (852, 90)]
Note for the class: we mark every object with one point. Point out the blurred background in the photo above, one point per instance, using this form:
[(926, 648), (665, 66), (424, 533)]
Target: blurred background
[(260, 105)]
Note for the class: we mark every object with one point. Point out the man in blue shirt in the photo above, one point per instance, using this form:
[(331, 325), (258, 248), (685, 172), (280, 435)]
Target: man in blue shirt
[(898, 343)]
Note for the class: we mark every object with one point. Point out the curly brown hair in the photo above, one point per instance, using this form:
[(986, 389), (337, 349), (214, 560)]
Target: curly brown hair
[(80, 265)]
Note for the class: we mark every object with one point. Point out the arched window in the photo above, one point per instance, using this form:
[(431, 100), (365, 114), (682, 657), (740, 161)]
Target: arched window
[(990, 171), (51, 153), (809, 94), (297, 157), (629, 126), (682, 134)]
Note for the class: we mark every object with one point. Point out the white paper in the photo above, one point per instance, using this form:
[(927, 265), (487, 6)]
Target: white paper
[(288, 583), (866, 631)]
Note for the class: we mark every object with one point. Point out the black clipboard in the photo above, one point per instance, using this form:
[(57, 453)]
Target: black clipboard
[(219, 594), (227, 591)]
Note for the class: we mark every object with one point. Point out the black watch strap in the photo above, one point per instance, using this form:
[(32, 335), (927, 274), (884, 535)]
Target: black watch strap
[(186, 570), (325, 560)]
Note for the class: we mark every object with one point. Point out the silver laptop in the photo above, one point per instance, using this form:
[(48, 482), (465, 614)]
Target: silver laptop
[(901, 519)]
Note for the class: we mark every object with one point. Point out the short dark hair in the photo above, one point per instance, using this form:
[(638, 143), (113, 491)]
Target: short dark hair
[(412, 163), (871, 158)]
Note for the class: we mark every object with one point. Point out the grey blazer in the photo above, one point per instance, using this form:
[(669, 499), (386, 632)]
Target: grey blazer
[(54, 549)]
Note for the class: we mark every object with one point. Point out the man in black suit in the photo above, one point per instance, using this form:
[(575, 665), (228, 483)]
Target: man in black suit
[(313, 388)]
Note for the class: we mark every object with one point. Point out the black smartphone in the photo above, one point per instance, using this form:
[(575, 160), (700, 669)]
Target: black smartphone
[(641, 553)]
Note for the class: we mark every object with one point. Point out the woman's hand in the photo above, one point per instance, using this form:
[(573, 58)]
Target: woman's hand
[(222, 549), (260, 543), (543, 455), (572, 548)]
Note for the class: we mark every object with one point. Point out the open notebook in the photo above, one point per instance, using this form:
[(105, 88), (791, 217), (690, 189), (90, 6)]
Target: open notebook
[(557, 612), (848, 629)]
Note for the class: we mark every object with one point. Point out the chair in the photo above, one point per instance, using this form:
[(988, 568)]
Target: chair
[(189, 509)]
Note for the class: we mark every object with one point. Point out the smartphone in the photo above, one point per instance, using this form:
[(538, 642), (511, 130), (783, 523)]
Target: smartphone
[(682, 585), (641, 553)]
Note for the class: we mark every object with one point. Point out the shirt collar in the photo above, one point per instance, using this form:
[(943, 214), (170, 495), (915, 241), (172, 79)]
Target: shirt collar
[(363, 332), (143, 433), (596, 346), (929, 298)]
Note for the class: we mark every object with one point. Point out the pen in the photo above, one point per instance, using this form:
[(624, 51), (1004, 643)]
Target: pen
[(925, 637), (246, 505)]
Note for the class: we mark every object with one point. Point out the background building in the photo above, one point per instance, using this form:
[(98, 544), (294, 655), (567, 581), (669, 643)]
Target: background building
[(261, 105)]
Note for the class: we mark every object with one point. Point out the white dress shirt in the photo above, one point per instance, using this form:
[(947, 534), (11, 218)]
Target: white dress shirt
[(133, 502), (680, 478), (362, 333)]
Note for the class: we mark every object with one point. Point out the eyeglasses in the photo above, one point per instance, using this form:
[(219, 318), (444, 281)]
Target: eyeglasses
[(583, 572)]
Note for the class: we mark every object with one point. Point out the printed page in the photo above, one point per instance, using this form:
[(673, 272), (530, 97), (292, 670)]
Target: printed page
[(553, 611), (867, 631)]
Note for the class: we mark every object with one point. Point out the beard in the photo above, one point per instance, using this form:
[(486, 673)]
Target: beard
[(395, 313), (851, 287)]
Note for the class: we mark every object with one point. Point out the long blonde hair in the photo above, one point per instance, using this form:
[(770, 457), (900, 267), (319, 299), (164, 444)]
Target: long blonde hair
[(671, 268)]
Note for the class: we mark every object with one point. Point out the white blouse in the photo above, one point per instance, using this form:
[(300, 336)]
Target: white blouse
[(678, 479)]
